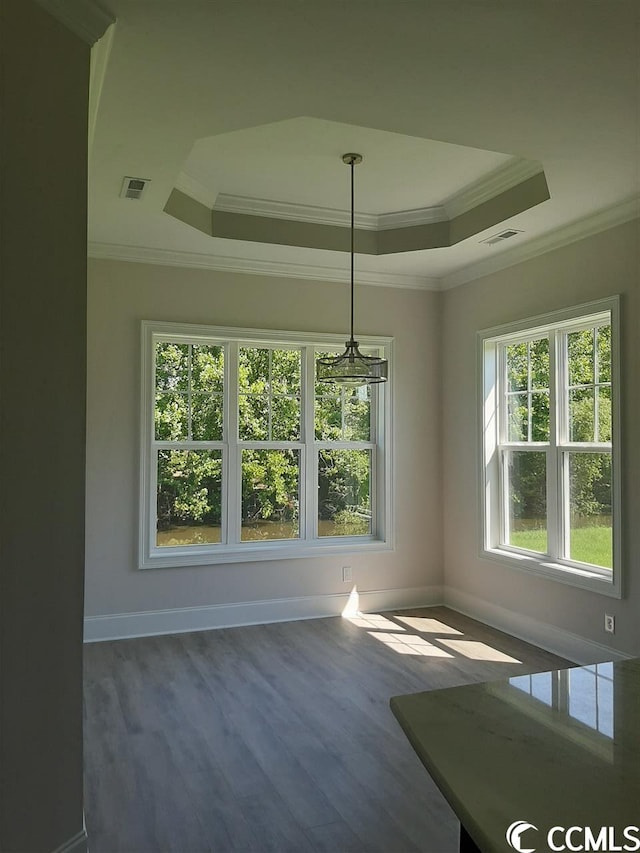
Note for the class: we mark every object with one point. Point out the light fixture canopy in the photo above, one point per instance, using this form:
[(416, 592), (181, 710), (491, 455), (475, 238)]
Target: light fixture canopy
[(352, 368)]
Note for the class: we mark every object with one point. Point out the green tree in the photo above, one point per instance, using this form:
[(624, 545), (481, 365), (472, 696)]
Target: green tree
[(189, 488), (589, 419), (188, 405), (589, 357), (270, 485), (189, 399)]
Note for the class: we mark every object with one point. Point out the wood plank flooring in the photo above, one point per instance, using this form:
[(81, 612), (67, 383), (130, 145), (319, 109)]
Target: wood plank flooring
[(276, 738)]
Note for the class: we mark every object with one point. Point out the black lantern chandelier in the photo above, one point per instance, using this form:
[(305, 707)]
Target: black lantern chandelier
[(351, 367)]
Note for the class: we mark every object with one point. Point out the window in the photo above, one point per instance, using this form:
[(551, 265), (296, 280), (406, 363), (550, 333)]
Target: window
[(550, 460), (246, 457)]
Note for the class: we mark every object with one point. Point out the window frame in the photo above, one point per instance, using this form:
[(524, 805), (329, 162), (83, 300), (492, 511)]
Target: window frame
[(493, 449), (309, 544)]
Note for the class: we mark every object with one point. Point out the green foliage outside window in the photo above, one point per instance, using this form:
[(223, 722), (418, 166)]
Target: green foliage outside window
[(270, 489), (189, 388), (588, 420), (344, 492), (189, 493), (189, 381), (342, 414), (269, 394), (189, 407)]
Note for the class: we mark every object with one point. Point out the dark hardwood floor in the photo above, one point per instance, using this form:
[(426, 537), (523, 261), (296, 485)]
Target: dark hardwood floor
[(276, 737)]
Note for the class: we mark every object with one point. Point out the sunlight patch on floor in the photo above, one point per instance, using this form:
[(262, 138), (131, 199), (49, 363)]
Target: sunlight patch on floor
[(372, 620), (475, 650), (386, 629), (408, 644), (427, 626)]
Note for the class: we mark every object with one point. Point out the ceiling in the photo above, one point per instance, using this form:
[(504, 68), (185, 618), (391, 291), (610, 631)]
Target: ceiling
[(292, 161), (258, 101)]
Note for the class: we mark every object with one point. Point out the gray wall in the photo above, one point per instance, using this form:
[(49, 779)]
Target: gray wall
[(122, 294), (435, 440), (42, 426), (599, 266)]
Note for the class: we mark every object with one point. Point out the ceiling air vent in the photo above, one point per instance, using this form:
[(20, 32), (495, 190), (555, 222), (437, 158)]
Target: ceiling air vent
[(133, 187), (498, 238)]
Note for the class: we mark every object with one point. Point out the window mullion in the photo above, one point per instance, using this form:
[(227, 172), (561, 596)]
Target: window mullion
[(561, 505), (270, 396), (377, 434), (562, 407), (232, 503), (554, 514), (503, 452), (529, 394), (373, 491), (596, 388), (309, 459), (153, 498), (503, 407), (189, 393), (505, 531), (492, 410), (345, 445), (150, 450)]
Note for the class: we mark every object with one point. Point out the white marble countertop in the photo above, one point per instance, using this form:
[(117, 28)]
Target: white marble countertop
[(558, 748)]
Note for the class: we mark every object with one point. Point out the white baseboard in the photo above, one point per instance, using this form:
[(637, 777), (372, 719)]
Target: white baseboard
[(538, 633), (77, 844), (120, 626)]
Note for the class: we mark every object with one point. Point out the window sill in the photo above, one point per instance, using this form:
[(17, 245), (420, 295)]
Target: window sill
[(572, 575), (260, 552)]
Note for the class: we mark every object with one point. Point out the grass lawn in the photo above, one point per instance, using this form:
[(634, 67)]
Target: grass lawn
[(588, 544)]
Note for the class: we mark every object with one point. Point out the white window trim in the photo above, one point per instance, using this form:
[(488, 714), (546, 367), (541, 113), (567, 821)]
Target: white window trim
[(565, 571), (382, 486)]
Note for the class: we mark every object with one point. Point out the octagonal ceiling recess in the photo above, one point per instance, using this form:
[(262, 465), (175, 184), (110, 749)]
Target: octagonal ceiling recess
[(284, 183)]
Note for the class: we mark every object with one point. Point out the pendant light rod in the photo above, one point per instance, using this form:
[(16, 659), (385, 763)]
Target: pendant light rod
[(352, 160), (352, 240)]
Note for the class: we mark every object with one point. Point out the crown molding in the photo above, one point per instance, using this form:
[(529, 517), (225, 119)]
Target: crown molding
[(603, 220), (615, 215), (409, 218), (83, 17), (327, 215), (256, 266), (297, 212), (489, 186)]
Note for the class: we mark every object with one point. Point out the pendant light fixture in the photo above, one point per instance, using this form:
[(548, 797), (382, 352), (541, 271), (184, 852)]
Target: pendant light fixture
[(351, 367)]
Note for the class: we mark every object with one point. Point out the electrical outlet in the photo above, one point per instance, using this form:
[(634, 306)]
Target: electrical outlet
[(347, 574), (609, 623)]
